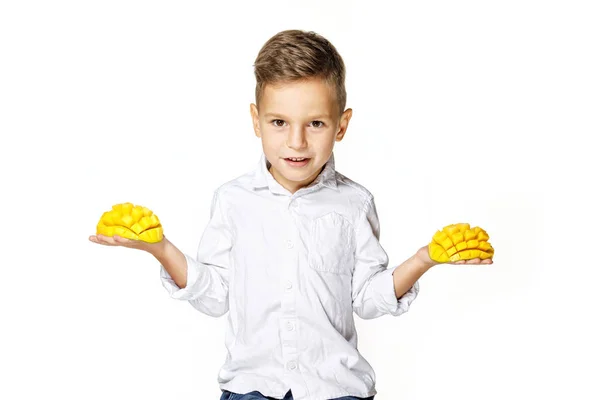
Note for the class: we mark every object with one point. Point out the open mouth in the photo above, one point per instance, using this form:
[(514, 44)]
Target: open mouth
[(297, 161)]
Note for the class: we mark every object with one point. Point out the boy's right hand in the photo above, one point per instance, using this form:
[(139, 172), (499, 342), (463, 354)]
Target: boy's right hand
[(116, 240)]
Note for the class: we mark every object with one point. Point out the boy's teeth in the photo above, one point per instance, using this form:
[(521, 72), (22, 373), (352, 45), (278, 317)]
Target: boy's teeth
[(297, 159)]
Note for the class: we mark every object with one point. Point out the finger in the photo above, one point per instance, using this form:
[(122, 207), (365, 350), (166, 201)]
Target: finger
[(106, 240), (487, 261), (458, 262), (120, 240), (129, 243), (124, 240), (98, 240), (474, 261)]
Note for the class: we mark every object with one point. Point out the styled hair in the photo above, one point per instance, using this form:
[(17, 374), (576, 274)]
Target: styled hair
[(294, 55)]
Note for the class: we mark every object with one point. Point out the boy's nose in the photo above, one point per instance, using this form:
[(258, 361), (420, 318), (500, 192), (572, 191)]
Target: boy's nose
[(296, 139)]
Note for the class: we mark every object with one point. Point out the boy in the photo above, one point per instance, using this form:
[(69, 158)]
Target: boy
[(292, 248)]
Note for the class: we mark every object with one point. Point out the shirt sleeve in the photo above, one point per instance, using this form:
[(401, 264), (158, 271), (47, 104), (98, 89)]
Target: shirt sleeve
[(373, 293), (207, 285)]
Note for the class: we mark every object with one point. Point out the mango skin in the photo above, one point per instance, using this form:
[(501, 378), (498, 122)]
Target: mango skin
[(460, 242), (132, 222)]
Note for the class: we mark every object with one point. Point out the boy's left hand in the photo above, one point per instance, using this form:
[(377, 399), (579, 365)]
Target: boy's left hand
[(423, 255)]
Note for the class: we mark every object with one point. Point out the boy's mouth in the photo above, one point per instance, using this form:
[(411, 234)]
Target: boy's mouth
[(297, 161), (297, 158)]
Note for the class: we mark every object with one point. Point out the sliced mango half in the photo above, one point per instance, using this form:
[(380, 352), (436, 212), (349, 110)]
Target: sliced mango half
[(131, 222), (460, 242)]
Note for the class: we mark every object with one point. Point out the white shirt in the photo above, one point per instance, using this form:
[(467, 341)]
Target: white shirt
[(291, 269)]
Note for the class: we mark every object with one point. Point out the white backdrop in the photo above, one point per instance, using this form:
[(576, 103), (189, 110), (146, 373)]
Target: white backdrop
[(483, 112)]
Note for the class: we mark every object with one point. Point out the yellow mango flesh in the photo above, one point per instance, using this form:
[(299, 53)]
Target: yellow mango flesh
[(131, 222), (460, 242)]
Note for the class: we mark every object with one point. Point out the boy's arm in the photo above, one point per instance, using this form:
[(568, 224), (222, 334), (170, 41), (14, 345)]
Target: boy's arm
[(203, 281), (374, 290), (407, 273), (173, 260)]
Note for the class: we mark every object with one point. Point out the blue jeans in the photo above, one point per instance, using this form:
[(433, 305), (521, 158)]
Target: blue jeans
[(255, 395)]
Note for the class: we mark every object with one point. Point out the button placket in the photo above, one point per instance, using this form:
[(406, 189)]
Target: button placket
[(287, 323)]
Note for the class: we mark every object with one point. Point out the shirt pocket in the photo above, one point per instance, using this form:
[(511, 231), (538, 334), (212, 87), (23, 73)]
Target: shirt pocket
[(331, 244)]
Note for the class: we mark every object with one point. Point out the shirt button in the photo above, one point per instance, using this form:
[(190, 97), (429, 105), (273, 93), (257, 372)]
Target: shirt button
[(288, 285), (291, 365), (289, 244), (290, 326)]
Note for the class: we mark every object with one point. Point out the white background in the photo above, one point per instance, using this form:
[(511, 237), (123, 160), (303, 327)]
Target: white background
[(482, 112)]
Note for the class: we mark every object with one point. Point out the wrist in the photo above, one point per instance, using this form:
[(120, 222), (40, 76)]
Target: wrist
[(159, 249), (424, 258)]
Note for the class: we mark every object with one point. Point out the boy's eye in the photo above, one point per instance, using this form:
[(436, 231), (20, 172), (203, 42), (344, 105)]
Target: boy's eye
[(280, 123)]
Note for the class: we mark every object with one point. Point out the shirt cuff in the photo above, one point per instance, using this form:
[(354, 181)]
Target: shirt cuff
[(386, 294), (194, 273)]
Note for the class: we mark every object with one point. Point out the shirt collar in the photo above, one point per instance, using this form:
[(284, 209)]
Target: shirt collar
[(263, 178)]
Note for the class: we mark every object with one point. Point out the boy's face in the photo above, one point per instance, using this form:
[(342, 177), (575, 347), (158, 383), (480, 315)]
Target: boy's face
[(298, 119)]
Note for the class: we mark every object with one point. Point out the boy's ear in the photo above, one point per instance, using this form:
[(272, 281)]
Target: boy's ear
[(254, 115), (344, 121)]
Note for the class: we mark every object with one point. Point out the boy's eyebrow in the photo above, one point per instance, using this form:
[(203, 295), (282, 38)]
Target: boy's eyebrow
[(275, 115)]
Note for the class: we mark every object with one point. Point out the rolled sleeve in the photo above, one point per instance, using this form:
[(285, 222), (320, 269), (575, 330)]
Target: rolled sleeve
[(373, 293), (383, 288), (194, 271), (207, 287)]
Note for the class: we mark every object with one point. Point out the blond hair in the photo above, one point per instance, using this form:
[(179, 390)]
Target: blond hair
[(294, 55)]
